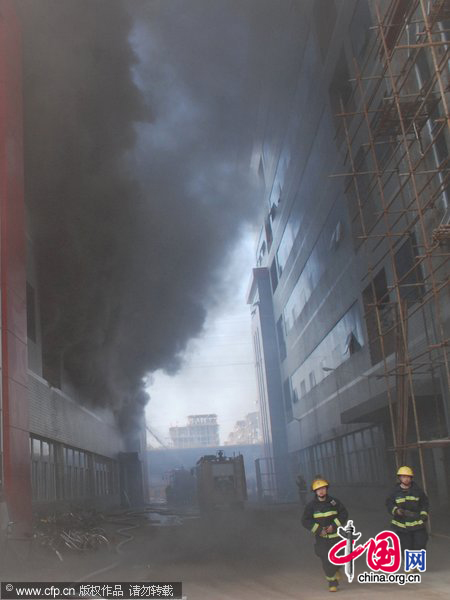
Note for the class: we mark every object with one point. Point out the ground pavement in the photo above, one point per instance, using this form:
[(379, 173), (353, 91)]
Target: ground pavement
[(255, 554)]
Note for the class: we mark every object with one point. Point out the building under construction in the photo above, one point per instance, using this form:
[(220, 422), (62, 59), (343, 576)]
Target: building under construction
[(355, 248), (201, 430)]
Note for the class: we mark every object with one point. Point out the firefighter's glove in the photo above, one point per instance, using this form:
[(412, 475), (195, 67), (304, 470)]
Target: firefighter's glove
[(400, 512), (323, 532)]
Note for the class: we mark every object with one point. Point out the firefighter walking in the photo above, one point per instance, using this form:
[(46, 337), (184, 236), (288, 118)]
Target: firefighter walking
[(408, 507), (322, 516)]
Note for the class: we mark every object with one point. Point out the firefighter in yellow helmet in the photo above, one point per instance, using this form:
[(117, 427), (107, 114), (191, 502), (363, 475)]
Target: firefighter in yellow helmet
[(408, 507), (322, 516)]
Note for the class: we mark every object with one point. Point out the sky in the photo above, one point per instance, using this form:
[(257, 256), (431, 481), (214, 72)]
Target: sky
[(218, 371)]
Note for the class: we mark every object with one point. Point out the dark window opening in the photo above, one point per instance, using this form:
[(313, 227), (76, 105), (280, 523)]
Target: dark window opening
[(409, 275), (274, 274), (379, 318), (352, 344), (395, 21), (269, 234)]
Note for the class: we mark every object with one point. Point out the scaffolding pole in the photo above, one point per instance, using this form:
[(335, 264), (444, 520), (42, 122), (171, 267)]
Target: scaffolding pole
[(396, 128)]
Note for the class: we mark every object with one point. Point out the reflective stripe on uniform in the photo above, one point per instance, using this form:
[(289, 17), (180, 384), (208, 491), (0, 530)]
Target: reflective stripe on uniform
[(407, 523), (332, 535), (405, 498), (334, 578), (330, 513), (315, 527), (336, 520), (424, 512)]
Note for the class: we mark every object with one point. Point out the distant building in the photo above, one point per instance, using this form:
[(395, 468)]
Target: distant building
[(246, 431), (201, 430)]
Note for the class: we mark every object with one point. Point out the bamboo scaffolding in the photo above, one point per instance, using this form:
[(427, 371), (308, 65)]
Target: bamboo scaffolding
[(395, 198)]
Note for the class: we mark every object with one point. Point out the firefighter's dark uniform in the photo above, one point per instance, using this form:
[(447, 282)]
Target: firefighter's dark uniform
[(318, 515), (410, 527)]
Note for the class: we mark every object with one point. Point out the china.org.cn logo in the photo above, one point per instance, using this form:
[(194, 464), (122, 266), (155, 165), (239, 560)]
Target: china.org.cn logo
[(383, 557)]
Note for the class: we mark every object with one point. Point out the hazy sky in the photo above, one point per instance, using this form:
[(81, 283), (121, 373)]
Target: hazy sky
[(218, 375)]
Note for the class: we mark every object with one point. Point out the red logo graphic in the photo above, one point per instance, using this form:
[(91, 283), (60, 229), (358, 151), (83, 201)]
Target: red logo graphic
[(383, 551)]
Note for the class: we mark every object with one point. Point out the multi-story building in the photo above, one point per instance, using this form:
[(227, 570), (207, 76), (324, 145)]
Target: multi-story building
[(246, 431), (54, 450), (349, 295), (201, 430)]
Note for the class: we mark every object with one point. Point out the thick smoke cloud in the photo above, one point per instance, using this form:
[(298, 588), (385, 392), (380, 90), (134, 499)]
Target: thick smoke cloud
[(136, 178)]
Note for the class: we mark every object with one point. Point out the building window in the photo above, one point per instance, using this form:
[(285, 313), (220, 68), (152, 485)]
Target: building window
[(378, 313), (363, 457), (268, 230), (331, 352), (318, 262), (352, 344), (324, 16), (274, 274), (354, 459), (409, 275), (31, 313), (105, 479), (325, 459), (43, 470)]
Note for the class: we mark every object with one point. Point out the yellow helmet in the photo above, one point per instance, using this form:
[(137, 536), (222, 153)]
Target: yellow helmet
[(405, 471), (318, 483)]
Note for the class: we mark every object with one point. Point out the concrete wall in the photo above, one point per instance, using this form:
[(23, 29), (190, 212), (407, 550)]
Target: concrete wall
[(56, 416), (15, 443)]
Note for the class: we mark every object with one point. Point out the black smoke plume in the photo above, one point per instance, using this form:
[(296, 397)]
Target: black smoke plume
[(138, 117)]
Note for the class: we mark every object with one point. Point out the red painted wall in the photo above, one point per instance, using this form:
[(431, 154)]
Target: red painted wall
[(16, 448)]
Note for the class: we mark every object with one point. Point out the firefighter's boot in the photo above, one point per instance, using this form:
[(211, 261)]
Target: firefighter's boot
[(332, 584)]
